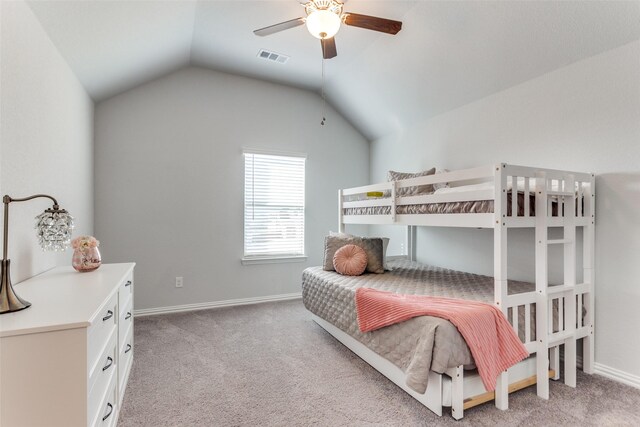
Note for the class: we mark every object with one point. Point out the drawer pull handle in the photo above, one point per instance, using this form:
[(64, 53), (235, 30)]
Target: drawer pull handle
[(108, 365), (108, 316), (128, 349), (110, 406), (128, 283), (128, 316)]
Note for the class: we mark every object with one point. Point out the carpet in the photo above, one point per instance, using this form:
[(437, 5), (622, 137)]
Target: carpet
[(271, 365)]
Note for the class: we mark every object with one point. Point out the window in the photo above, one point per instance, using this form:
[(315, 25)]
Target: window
[(273, 206)]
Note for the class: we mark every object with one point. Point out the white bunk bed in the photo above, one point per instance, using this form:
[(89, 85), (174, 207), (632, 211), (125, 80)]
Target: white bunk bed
[(554, 194)]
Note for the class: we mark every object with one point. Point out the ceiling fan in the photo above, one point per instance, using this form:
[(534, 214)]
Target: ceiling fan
[(323, 22)]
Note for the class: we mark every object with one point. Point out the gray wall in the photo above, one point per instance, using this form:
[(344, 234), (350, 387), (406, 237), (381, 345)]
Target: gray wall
[(583, 117), (169, 181), (46, 138)]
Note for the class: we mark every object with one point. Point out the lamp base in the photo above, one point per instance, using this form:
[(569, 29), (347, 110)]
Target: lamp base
[(9, 301)]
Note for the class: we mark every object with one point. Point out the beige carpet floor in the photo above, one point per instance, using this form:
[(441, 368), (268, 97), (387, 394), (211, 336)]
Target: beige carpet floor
[(270, 365)]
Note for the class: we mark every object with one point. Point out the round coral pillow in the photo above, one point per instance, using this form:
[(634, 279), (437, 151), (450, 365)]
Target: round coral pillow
[(350, 260)]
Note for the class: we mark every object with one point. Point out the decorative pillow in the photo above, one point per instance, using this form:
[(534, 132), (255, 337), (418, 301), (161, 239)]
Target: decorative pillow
[(371, 246), (412, 191), (385, 245), (350, 260)]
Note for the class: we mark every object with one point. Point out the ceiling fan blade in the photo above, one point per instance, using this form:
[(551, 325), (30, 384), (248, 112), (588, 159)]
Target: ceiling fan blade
[(329, 48), (372, 23), (271, 29)]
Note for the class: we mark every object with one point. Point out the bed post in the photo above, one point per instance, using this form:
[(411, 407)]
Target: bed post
[(542, 281), (569, 237), (340, 213), (568, 209), (411, 242), (589, 274), (457, 391), (500, 267)]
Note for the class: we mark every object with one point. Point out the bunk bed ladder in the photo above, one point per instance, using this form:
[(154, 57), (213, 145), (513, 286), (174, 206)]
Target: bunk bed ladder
[(553, 331)]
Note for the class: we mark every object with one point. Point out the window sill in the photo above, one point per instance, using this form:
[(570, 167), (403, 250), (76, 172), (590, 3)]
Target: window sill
[(273, 260)]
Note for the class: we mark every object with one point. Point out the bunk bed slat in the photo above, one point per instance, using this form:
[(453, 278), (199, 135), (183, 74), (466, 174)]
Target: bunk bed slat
[(532, 172), (514, 196), (366, 188), (394, 195), (579, 323), (526, 196), (461, 196), (367, 203), (561, 314), (527, 323), (580, 195), (550, 311)]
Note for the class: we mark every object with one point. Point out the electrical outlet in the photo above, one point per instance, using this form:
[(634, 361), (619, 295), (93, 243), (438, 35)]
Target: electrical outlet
[(179, 282)]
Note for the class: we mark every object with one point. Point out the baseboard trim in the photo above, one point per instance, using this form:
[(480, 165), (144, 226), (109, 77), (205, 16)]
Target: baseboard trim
[(611, 373), (617, 375), (214, 304)]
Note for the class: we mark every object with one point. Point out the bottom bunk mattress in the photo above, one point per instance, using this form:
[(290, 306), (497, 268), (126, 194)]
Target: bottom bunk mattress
[(417, 345)]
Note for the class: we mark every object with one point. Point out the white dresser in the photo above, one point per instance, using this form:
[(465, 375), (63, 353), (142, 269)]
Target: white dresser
[(65, 361)]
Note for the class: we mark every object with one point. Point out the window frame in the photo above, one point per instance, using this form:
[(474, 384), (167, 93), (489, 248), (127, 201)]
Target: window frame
[(248, 259)]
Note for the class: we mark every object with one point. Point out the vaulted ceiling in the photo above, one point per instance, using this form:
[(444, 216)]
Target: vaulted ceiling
[(448, 54)]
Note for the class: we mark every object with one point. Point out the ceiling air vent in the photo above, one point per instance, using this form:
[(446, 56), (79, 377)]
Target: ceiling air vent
[(272, 56)]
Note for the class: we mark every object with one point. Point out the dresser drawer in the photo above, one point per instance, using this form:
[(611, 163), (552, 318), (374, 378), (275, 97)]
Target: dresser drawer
[(101, 328), (126, 358), (126, 319), (104, 372), (100, 371), (125, 292), (107, 410)]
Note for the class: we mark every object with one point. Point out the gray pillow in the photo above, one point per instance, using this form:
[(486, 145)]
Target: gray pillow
[(372, 246), (385, 245), (412, 191)]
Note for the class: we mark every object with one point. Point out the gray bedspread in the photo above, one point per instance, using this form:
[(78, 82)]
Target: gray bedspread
[(417, 345), (472, 206)]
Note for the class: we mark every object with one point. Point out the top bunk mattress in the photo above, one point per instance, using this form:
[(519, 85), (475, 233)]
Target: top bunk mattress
[(473, 206), (417, 345)]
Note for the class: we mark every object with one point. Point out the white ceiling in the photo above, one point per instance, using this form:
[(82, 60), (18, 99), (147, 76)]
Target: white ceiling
[(449, 53)]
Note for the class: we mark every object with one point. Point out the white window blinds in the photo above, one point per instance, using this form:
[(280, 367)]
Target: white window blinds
[(273, 205)]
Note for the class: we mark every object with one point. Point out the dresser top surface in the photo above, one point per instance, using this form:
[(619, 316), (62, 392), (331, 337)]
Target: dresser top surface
[(62, 298)]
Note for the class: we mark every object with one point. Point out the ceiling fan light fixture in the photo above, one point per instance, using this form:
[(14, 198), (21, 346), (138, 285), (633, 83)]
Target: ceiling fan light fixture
[(323, 23)]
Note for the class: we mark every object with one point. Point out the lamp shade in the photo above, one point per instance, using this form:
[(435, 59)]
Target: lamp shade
[(323, 24), (54, 228)]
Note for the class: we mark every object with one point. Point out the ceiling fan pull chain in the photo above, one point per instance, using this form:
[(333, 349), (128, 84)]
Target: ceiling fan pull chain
[(324, 102)]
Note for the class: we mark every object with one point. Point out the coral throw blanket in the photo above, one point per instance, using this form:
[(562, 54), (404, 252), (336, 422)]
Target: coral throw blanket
[(491, 339)]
